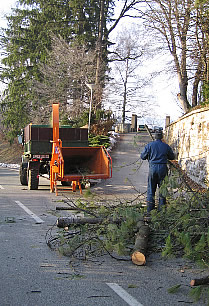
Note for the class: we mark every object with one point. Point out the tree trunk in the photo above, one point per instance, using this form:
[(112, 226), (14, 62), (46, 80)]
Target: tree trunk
[(99, 57), (125, 90), (99, 43), (66, 222), (124, 105), (182, 96), (196, 83), (140, 247), (72, 208)]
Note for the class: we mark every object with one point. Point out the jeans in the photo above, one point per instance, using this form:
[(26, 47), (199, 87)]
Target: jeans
[(157, 173)]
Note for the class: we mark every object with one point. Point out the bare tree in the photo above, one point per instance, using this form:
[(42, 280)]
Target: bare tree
[(103, 41), (126, 57), (176, 21), (64, 78)]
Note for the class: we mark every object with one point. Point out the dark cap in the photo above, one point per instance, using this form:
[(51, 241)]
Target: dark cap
[(158, 134)]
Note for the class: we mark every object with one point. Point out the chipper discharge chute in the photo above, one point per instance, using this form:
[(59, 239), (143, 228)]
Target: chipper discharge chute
[(74, 164)]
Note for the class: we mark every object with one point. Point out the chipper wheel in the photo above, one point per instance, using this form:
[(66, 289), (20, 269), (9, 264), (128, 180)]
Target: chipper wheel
[(23, 175), (33, 179)]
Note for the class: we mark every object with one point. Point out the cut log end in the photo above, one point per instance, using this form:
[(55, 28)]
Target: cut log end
[(200, 281), (138, 258)]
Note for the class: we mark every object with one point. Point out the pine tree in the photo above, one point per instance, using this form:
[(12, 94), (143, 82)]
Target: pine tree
[(27, 42)]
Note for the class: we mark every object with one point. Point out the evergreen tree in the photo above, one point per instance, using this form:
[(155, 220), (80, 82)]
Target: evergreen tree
[(27, 42)]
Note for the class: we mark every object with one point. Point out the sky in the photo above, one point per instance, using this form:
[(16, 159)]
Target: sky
[(5, 7), (162, 89)]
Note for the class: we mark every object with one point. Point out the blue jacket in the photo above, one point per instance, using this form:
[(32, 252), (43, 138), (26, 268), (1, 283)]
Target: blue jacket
[(157, 152)]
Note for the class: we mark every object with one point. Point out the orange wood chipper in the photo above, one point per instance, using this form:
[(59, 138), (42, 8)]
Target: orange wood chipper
[(74, 164)]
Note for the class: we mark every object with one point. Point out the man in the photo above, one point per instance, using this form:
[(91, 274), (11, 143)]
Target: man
[(157, 153)]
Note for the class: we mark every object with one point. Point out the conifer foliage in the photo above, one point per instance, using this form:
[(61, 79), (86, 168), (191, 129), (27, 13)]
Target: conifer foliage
[(183, 226)]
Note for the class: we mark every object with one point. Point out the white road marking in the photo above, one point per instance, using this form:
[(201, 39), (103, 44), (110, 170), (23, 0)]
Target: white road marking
[(124, 295), (36, 218), (1, 187)]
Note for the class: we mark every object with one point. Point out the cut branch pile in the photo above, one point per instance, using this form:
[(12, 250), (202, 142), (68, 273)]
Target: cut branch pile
[(116, 230), (141, 239)]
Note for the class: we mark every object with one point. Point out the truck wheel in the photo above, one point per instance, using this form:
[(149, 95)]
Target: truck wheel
[(33, 179), (23, 176)]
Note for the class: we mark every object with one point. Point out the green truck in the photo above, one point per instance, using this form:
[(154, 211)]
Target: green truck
[(37, 143)]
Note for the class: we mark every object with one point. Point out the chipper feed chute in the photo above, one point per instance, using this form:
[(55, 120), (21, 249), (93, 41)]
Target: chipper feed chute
[(74, 164)]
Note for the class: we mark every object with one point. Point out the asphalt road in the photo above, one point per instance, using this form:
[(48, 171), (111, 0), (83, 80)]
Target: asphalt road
[(32, 274), (129, 180)]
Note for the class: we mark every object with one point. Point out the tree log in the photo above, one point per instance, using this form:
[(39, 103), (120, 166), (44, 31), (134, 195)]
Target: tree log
[(140, 247), (65, 208), (200, 281), (72, 208), (65, 222)]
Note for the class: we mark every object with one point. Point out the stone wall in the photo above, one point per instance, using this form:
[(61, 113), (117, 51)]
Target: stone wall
[(189, 138)]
